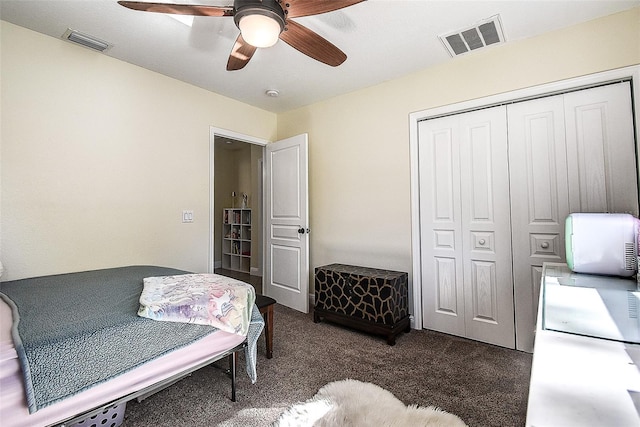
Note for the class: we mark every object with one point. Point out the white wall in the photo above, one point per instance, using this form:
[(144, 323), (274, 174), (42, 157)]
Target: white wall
[(100, 157), (359, 162)]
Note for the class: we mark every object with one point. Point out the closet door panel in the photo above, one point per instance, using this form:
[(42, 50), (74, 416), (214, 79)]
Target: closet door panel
[(446, 301), (440, 224), (484, 306), (539, 201), (601, 149), (486, 228)]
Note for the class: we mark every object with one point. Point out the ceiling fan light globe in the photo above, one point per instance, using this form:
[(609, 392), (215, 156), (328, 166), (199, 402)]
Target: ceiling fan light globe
[(259, 30)]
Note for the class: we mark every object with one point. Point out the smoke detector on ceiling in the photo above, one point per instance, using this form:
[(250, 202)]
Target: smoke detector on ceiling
[(484, 33), (85, 40)]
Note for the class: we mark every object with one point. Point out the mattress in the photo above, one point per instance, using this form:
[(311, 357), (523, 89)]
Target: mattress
[(13, 405)]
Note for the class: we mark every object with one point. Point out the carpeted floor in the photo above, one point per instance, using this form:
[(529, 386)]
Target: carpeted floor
[(483, 384)]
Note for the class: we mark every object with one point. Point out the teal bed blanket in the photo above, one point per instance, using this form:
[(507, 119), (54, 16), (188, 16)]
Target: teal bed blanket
[(74, 331)]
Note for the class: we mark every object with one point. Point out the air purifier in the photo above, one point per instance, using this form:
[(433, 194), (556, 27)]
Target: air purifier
[(599, 243)]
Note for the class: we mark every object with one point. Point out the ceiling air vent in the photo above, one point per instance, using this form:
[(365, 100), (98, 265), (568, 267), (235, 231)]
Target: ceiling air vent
[(85, 40), (482, 34)]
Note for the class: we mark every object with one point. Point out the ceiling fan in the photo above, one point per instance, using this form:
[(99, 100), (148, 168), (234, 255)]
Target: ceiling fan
[(262, 23)]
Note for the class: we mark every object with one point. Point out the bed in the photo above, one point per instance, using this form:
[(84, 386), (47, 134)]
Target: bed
[(120, 355)]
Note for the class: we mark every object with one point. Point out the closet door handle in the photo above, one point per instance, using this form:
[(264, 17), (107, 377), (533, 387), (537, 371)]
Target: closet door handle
[(482, 241), (544, 245)]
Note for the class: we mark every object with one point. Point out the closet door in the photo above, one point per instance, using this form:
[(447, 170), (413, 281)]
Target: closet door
[(486, 227), (465, 227), (441, 225), (601, 150), (567, 153), (539, 201)]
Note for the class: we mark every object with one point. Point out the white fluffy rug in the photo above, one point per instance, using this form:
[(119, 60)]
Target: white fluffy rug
[(351, 403)]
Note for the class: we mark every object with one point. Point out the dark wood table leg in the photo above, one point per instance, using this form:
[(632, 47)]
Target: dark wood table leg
[(265, 305)]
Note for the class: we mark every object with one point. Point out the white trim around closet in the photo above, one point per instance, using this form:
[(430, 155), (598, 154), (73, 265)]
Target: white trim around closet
[(628, 73)]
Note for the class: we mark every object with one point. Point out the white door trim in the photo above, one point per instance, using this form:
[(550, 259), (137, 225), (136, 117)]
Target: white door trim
[(213, 132), (626, 73)]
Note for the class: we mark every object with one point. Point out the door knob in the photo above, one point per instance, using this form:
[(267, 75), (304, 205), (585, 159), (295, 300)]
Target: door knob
[(544, 245), (303, 230)]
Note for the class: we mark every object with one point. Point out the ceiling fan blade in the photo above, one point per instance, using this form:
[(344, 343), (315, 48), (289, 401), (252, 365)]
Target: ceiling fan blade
[(311, 44), (179, 9), (240, 54), (298, 8)]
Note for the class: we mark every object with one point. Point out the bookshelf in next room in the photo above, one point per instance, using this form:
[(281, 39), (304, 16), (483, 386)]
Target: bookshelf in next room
[(236, 239)]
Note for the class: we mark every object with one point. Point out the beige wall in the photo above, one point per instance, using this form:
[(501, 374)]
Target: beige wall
[(255, 202), (226, 181), (100, 157), (359, 162)]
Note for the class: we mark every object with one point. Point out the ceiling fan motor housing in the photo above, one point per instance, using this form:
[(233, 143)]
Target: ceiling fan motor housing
[(270, 8)]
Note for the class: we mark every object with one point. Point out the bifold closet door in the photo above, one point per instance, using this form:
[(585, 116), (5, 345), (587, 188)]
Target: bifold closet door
[(486, 227), (465, 226), (601, 150), (567, 153), (540, 201), (441, 225)]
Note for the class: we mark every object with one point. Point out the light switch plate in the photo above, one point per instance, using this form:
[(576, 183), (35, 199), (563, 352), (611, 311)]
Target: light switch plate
[(187, 216)]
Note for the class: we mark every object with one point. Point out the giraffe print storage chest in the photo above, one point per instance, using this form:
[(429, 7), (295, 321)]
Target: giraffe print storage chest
[(369, 299)]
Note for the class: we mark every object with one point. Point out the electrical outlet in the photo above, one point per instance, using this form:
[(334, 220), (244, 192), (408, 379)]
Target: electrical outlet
[(187, 216)]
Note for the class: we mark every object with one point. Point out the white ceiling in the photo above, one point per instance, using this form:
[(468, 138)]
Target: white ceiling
[(383, 39)]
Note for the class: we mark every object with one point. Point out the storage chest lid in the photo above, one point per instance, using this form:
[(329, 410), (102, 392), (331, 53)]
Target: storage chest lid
[(360, 271)]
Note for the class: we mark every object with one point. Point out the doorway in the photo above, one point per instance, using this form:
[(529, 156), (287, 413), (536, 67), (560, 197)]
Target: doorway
[(236, 206), (285, 191)]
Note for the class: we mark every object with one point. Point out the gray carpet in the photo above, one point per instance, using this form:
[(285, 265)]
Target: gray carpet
[(483, 384)]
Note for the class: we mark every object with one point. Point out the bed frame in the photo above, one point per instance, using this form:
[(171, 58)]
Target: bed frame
[(149, 385), (152, 389)]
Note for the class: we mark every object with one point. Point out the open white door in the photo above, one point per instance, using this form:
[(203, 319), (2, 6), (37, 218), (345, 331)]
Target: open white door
[(286, 269)]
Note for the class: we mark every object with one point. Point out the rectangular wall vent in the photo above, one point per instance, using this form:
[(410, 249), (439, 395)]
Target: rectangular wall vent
[(482, 34), (85, 40)]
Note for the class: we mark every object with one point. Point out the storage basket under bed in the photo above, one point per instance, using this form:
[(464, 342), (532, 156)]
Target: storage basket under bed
[(109, 417)]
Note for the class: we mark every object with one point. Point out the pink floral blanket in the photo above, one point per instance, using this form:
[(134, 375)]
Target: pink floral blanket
[(204, 299)]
